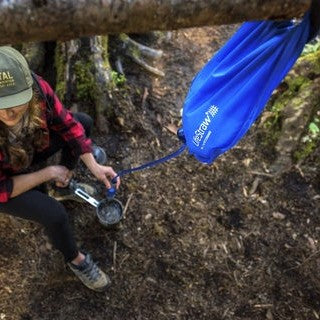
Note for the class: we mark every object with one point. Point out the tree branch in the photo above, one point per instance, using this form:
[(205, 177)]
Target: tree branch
[(42, 20)]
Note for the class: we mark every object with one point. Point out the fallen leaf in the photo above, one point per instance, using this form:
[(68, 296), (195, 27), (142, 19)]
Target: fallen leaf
[(159, 119), (269, 315), (312, 244), (278, 215), (172, 128)]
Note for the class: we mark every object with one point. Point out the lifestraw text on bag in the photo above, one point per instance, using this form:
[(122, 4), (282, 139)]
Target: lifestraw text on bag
[(202, 130)]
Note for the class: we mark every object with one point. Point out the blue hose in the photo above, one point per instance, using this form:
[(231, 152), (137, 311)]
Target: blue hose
[(149, 164)]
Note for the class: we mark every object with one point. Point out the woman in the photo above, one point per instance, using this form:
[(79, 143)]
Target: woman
[(33, 126)]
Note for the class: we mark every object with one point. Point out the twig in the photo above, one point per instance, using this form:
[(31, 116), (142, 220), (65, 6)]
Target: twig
[(146, 66), (127, 204), (267, 305), (114, 255), (144, 97), (269, 175), (123, 260), (135, 46), (255, 185), (300, 170), (119, 66)]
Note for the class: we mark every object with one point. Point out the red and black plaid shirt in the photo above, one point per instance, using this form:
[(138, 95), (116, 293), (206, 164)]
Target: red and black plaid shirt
[(56, 119)]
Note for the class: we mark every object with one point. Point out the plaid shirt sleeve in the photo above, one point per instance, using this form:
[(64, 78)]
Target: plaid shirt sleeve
[(62, 122), (6, 182), (6, 187)]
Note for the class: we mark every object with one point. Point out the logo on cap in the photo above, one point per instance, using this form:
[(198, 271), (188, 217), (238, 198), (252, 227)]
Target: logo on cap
[(6, 79)]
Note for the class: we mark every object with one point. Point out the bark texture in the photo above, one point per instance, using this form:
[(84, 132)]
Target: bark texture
[(84, 76), (40, 20)]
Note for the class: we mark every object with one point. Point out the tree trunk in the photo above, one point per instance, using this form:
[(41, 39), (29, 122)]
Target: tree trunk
[(34, 52), (42, 20), (84, 76), (297, 107)]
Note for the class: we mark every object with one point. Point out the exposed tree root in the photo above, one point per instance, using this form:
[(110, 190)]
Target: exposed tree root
[(137, 52)]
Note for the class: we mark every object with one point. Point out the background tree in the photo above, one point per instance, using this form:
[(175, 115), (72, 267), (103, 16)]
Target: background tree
[(40, 20)]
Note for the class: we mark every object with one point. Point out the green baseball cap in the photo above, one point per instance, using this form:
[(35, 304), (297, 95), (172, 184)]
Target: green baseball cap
[(15, 79)]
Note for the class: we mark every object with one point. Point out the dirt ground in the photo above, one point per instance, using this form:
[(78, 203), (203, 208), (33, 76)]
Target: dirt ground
[(197, 241)]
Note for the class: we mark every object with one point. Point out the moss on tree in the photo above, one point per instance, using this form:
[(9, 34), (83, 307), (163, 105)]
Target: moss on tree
[(291, 97)]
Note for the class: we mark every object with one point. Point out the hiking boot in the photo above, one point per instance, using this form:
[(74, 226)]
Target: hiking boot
[(64, 194), (99, 154), (90, 274)]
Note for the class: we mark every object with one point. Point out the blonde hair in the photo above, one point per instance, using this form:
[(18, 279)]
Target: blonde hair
[(20, 152)]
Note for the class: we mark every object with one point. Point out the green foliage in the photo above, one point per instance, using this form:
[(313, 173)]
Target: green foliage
[(310, 139), (311, 48), (294, 85), (313, 128), (306, 68), (86, 86), (311, 54), (118, 79)]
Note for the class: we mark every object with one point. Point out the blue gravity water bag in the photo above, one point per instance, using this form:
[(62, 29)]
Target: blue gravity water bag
[(229, 93)]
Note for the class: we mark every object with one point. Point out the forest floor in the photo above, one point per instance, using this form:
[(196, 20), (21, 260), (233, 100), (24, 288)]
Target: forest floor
[(197, 241)]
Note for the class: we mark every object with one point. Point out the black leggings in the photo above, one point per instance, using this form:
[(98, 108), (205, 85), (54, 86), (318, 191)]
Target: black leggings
[(37, 206)]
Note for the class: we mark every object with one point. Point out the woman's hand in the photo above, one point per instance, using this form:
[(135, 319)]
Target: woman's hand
[(24, 182), (61, 175), (102, 173)]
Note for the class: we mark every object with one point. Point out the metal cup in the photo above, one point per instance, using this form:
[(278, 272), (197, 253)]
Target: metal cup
[(109, 210)]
